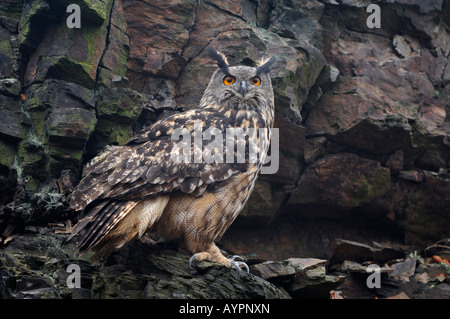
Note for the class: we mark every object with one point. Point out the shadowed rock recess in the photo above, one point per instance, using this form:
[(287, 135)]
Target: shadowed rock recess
[(363, 117)]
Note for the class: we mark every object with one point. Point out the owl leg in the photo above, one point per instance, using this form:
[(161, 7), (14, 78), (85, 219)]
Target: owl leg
[(213, 253)]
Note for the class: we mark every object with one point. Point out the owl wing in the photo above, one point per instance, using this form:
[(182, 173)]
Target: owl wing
[(146, 166), (122, 185)]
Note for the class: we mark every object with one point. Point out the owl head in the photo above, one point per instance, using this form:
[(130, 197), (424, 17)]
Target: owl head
[(239, 87)]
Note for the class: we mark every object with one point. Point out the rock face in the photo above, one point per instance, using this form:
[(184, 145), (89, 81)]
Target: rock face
[(362, 113)]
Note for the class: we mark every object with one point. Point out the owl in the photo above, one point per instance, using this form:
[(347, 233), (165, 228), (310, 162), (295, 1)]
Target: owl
[(160, 183)]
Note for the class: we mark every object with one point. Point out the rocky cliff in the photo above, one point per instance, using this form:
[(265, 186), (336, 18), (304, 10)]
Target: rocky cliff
[(362, 112)]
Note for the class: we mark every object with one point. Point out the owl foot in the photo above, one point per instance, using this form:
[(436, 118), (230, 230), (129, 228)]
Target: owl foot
[(230, 262), (237, 264)]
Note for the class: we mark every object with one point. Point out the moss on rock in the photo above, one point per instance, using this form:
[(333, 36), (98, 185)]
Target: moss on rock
[(7, 153), (95, 11), (33, 14)]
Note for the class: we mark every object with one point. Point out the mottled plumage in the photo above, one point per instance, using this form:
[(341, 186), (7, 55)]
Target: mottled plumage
[(138, 186)]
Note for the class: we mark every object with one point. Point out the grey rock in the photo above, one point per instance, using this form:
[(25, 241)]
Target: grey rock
[(404, 270)]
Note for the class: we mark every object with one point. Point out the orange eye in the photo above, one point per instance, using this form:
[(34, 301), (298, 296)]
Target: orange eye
[(229, 79), (256, 80)]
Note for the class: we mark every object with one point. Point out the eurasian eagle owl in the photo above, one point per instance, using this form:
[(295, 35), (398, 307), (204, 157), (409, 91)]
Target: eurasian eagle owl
[(158, 183)]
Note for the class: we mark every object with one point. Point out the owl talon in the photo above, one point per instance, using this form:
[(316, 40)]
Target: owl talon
[(233, 258), (194, 257), (238, 264)]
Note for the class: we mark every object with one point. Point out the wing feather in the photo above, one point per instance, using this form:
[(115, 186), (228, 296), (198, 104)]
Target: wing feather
[(103, 217), (116, 216), (98, 223), (87, 219), (145, 167)]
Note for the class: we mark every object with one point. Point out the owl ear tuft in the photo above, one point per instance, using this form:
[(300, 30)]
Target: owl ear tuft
[(265, 66), (220, 58)]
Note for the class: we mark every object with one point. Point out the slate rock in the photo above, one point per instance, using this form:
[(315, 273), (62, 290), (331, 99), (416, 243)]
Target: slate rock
[(114, 62), (341, 250), (314, 284), (69, 54), (30, 259), (167, 24), (10, 86), (13, 124), (274, 269), (91, 10), (70, 126), (118, 110), (300, 277), (410, 175), (404, 270), (33, 13), (297, 20)]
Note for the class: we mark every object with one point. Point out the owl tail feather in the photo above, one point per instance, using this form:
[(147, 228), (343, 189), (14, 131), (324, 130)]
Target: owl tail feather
[(111, 224)]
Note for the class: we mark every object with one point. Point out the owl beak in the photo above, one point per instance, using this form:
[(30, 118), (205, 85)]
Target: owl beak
[(243, 88)]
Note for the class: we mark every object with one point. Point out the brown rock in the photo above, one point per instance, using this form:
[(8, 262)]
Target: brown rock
[(383, 98), (263, 203), (342, 250), (271, 270), (427, 210), (297, 20), (314, 148), (401, 295), (433, 114), (300, 277), (354, 267), (289, 153), (395, 161), (313, 282), (414, 176), (355, 181), (349, 116), (292, 136), (114, 62), (158, 31), (244, 9), (406, 46), (296, 75), (210, 22)]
